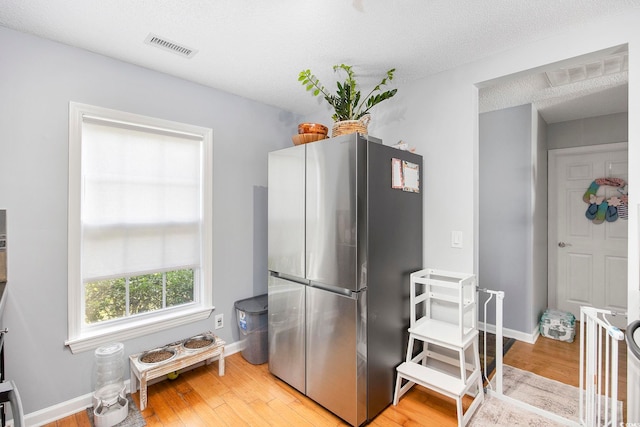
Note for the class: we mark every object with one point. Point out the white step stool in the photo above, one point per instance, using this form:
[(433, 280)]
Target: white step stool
[(444, 318)]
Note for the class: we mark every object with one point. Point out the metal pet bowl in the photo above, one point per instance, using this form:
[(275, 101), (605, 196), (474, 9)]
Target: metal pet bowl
[(199, 342), (157, 355)]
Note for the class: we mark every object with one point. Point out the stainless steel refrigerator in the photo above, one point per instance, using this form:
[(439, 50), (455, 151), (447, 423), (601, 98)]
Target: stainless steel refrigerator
[(345, 232)]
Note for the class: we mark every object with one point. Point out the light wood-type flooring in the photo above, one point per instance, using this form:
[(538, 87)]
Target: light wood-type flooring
[(249, 395)]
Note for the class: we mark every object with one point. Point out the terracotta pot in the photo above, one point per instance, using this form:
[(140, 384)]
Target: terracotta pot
[(312, 128)]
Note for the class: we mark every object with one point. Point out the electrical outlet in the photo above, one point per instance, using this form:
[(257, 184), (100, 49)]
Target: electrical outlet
[(219, 321)]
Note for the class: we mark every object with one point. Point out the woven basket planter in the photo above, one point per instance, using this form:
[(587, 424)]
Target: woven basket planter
[(346, 127)]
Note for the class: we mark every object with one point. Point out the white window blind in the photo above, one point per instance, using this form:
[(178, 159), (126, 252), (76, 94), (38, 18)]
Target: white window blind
[(141, 204)]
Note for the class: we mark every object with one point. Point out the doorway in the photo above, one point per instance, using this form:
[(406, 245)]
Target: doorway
[(587, 239), (545, 110), (559, 109)]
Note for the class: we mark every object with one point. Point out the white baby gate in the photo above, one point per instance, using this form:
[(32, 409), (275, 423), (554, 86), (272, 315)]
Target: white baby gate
[(598, 368), (598, 404)]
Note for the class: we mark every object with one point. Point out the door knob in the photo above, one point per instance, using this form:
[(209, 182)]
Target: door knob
[(563, 244)]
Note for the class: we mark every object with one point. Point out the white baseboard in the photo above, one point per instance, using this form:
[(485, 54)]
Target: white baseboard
[(80, 403), (61, 410), (511, 333), (233, 348)]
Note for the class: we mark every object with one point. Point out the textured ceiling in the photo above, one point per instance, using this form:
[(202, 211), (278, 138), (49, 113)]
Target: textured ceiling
[(256, 49)]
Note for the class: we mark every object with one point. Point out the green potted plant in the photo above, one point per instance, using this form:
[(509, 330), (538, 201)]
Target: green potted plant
[(350, 108)]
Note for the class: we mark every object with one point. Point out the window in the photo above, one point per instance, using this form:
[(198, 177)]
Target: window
[(140, 225)]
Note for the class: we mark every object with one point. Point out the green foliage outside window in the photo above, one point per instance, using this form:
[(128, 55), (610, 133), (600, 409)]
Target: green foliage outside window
[(107, 299)]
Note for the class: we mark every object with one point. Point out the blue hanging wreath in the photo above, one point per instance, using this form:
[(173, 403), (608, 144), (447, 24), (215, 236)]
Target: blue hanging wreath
[(611, 209)]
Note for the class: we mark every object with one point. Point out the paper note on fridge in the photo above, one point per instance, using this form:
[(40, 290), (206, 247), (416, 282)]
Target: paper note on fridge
[(396, 174), (411, 176)]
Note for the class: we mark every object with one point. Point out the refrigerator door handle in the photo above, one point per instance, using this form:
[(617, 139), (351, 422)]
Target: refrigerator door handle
[(289, 277), (355, 295)]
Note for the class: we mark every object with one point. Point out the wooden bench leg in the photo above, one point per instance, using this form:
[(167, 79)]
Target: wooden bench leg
[(133, 386), (143, 393), (221, 364)]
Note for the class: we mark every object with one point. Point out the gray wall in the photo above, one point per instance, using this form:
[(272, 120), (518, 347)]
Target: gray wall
[(513, 201), (512, 213), (590, 131), (38, 78), (539, 210)]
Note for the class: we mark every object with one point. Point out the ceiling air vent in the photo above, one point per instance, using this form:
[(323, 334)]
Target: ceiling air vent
[(602, 67), (170, 46)]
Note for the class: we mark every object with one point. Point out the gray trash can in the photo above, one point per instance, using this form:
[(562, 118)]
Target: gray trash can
[(252, 323)]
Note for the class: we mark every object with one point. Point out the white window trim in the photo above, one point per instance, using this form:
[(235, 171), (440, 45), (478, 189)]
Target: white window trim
[(79, 340)]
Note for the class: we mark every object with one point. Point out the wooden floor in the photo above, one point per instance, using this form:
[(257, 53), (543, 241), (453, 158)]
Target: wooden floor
[(249, 395), (560, 361)]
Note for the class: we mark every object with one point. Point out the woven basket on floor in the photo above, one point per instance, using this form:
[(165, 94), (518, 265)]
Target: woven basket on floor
[(346, 127)]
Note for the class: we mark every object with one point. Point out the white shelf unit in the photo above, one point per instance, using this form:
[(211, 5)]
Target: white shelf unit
[(444, 304), (444, 318)]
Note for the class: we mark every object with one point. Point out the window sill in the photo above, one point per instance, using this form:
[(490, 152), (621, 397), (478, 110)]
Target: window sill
[(136, 329)]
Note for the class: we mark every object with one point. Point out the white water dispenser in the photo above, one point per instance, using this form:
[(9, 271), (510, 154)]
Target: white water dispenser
[(110, 404)]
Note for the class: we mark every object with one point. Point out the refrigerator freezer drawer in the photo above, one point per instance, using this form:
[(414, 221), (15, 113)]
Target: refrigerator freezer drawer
[(337, 369), (286, 331)]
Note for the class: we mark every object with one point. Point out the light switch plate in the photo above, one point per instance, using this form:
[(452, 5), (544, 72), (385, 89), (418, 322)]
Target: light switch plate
[(456, 239)]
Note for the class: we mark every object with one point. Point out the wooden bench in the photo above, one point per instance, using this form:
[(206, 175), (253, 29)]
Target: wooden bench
[(144, 372)]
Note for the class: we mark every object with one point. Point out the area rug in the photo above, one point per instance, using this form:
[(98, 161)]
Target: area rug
[(134, 417), (496, 413), (549, 395), (491, 351)]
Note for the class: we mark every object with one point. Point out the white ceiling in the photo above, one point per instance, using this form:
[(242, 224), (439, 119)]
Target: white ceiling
[(256, 49)]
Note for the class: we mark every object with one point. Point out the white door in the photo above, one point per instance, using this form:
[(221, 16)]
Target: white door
[(587, 256)]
